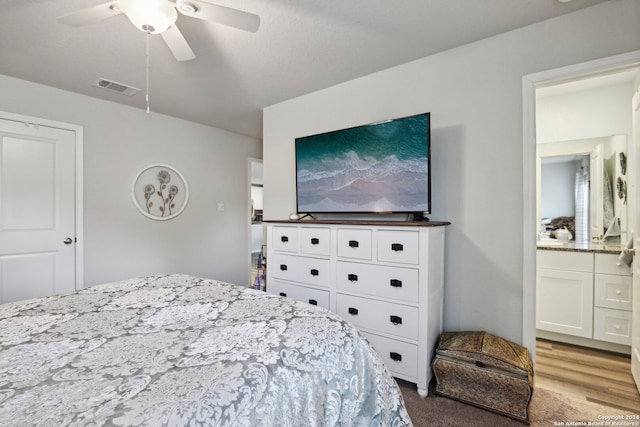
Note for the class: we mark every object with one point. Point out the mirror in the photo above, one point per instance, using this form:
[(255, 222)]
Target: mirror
[(582, 187)]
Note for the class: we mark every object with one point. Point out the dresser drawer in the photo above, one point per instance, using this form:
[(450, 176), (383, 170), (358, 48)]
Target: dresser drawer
[(398, 246), (401, 358), (313, 271), (285, 239), (315, 241), (610, 264), (612, 325), (300, 293), (388, 282), (389, 318), (354, 243), (613, 291)]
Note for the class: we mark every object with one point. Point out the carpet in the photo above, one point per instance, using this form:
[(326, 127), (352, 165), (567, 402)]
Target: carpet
[(547, 408)]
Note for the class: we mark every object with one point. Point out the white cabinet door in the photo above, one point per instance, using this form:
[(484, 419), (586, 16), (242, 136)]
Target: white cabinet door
[(564, 302)]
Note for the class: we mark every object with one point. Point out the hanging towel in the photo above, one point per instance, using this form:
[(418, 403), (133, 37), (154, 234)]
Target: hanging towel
[(627, 258), (613, 232)]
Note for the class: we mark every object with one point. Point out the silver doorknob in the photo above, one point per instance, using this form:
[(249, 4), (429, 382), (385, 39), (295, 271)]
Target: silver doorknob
[(68, 241)]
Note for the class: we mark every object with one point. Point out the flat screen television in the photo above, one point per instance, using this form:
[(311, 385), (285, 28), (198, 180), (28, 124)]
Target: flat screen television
[(381, 167)]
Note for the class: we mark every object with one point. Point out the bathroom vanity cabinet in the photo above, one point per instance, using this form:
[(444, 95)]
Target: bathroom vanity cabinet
[(584, 294)]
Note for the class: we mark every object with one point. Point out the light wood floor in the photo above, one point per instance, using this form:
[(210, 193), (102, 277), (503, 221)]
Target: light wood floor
[(593, 375)]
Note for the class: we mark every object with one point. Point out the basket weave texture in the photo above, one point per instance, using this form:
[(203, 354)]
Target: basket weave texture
[(486, 371)]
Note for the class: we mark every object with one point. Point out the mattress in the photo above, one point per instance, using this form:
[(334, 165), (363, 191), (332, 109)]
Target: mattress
[(178, 350)]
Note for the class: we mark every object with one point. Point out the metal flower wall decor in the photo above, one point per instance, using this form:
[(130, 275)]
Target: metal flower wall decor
[(160, 192)]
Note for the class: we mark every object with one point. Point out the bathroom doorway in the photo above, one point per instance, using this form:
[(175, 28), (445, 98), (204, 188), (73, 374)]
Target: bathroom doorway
[(256, 229), (572, 81)]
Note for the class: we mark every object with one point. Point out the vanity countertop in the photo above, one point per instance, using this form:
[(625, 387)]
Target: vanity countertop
[(555, 245)]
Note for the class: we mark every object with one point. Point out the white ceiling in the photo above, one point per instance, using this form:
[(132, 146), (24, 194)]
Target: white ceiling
[(301, 46)]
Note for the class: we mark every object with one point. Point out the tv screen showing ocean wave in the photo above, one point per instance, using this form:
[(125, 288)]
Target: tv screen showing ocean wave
[(381, 167)]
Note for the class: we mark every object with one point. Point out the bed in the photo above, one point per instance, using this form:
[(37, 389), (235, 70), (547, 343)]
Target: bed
[(177, 350)]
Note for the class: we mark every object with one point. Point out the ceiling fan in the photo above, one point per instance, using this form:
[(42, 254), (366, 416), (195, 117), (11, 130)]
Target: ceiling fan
[(159, 17)]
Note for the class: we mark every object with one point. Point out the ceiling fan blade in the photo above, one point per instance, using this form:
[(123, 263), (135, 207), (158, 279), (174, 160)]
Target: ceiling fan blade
[(90, 14), (177, 44), (219, 14)]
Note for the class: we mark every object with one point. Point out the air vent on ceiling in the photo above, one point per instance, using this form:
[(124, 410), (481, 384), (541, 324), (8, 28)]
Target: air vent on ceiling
[(116, 87)]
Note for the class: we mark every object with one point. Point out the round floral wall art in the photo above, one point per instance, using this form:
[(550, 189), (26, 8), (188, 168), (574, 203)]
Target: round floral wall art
[(160, 192)]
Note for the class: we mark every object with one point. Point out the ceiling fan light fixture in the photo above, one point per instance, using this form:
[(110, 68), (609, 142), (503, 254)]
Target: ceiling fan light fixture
[(150, 16)]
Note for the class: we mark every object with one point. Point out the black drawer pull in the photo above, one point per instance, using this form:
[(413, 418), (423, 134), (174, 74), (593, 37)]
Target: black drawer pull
[(480, 364), (396, 320), (284, 239), (397, 247), (395, 356), (353, 311), (353, 243), (396, 283), (315, 241), (283, 267), (314, 272), (352, 277), (313, 302), (282, 294)]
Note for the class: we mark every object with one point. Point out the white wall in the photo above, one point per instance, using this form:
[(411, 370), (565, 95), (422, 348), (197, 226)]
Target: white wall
[(118, 142), (599, 112), (474, 94)]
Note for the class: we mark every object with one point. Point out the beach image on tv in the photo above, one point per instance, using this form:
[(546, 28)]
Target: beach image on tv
[(375, 168)]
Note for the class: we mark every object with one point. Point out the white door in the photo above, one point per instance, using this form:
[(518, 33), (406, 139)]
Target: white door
[(634, 226), (37, 211)]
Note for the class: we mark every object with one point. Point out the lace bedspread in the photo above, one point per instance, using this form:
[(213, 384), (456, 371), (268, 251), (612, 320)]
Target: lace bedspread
[(178, 350)]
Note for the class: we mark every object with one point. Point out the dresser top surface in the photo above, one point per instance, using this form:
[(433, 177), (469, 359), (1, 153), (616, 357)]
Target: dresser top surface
[(364, 222)]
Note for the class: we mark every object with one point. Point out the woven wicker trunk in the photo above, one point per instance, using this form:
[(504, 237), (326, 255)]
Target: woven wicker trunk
[(486, 371)]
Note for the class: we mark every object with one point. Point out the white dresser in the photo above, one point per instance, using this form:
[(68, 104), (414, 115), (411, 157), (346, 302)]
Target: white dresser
[(386, 278)]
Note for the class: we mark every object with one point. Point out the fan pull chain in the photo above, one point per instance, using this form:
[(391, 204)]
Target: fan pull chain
[(147, 88)]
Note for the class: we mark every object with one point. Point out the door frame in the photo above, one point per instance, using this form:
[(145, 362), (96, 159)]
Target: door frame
[(250, 161), (79, 180), (529, 84)]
